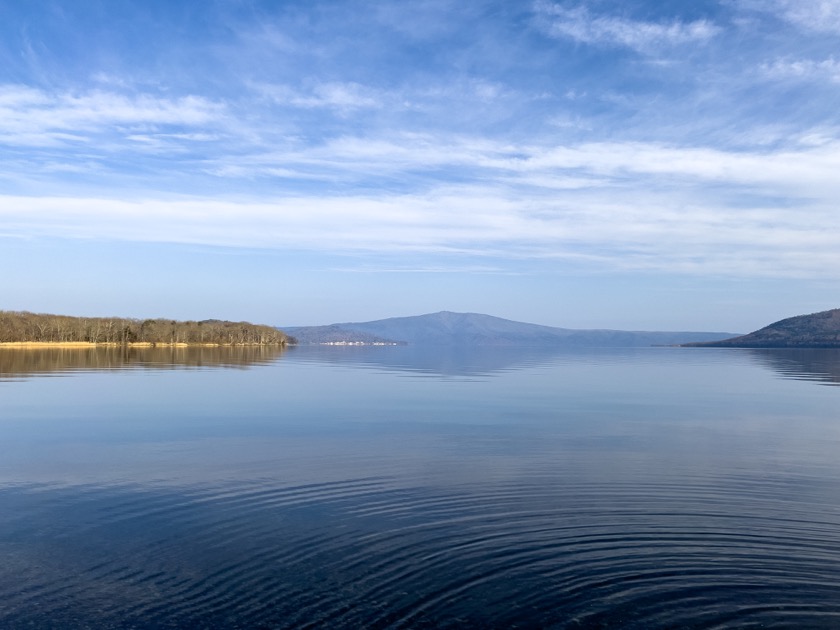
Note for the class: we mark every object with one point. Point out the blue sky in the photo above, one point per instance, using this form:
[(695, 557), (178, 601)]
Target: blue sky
[(633, 164)]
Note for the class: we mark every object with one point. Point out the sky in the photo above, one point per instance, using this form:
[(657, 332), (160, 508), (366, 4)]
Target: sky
[(627, 164)]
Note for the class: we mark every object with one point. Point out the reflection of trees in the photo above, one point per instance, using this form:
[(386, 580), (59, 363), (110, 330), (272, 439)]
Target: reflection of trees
[(22, 326), (809, 364), (20, 362)]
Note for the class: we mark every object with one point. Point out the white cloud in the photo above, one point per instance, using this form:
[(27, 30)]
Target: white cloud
[(632, 223), (580, 25), (338, 96), (442, 269), (38, 118), (15, 96), (802, 171), (807, 169), (804, 69), (816, 15), (615, 204)]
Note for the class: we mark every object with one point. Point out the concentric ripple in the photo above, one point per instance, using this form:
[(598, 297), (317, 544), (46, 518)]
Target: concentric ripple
[(379, 553)]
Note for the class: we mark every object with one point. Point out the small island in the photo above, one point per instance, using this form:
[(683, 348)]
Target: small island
[(24, 329)]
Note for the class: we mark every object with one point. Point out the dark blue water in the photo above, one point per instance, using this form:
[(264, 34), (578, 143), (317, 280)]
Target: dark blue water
[(420, 488)]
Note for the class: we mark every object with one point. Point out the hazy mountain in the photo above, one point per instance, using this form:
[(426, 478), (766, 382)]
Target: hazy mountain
[(473, 329), (818, 330)]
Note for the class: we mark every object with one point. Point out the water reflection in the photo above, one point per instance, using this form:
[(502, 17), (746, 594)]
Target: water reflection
[(633, 488), (464, 361), (27, 362), (821, 365)]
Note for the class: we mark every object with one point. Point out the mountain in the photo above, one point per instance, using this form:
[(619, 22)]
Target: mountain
[(473, 329), (817, 330)]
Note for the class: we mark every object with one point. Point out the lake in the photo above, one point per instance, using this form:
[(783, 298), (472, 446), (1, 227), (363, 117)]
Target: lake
[(400, 487)]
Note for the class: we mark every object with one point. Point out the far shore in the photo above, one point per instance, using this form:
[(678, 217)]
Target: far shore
[(138, 344)]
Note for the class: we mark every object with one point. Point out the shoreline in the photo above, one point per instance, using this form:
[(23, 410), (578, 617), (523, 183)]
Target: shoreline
[(133, 344)]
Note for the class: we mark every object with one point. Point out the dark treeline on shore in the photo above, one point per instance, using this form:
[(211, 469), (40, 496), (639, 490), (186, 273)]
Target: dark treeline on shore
[(21, 326)]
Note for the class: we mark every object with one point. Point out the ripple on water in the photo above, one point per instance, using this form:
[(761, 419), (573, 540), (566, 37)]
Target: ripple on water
[(374, 553)]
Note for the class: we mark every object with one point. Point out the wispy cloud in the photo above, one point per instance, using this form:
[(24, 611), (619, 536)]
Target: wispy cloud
[(815, 15), (332, 95), (804, 69), (806, 168), (448, 138), (441, 269), (632, 206), (579, 24), (33, 117)]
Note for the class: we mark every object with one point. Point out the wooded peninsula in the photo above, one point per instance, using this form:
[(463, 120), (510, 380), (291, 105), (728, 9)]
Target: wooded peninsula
[(24, 328)]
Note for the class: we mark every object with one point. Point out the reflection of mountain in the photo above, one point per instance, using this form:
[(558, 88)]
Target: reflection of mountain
[(811, 364), (472, 329), (22, 362), (470, 361), (808, 364)]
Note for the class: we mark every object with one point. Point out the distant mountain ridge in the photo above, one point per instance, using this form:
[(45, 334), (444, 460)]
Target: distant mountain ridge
[(475, 329), (817, 330)]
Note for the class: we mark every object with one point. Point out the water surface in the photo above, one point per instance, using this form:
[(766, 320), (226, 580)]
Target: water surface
[(404, 487)]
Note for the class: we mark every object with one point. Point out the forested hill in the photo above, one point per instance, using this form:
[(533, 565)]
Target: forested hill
[(818, 330), (20, 327)]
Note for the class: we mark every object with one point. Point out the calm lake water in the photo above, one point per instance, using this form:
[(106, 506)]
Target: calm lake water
[(420, 488)]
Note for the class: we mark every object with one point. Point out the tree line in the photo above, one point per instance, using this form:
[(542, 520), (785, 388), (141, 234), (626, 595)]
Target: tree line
[(22, 326)]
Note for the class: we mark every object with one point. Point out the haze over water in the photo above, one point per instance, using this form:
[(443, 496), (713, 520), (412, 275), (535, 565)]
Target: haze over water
[(404, 487)]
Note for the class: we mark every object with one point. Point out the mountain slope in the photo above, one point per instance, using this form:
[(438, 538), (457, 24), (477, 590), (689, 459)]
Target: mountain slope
[(474, 329), (817, 330), (447, 328)]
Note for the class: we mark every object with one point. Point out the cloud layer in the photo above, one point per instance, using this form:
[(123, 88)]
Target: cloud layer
[(613, 135)]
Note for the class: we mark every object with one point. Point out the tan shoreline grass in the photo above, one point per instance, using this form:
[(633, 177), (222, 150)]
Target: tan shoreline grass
[(90, 344)]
